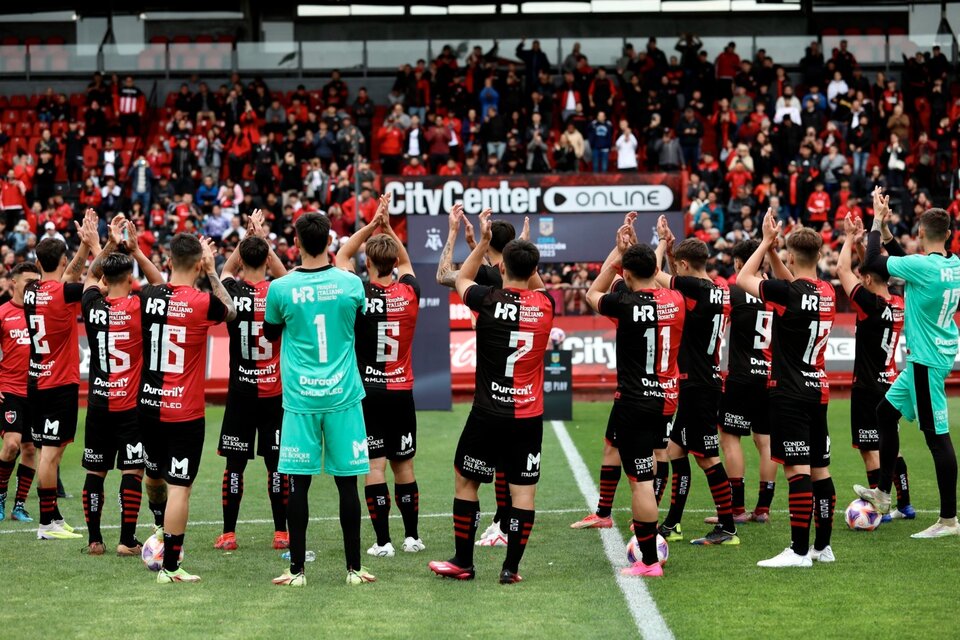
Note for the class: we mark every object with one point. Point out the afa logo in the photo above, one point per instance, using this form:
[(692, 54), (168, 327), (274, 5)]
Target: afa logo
[(434, 243), (359, 448), (10, 416)]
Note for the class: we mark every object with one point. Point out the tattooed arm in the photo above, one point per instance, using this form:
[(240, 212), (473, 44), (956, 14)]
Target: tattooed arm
[(446, 274), (215, 285)]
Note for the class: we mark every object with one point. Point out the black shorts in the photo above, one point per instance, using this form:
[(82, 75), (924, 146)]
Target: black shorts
[(744, 408), (246, 418), (55, 415), (391, 421), (173, 449), (112, 438), (864, 433), (799, 434), (636, 433), (695, 428), (17, 417), (509, 445)]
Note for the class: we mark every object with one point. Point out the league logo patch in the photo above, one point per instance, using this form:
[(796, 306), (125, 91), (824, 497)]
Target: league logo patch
[(546, 226), (10, 416)]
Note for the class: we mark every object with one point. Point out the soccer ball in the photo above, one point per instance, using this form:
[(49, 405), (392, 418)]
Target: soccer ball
[(633, 552), (861, 516), (152, 554)]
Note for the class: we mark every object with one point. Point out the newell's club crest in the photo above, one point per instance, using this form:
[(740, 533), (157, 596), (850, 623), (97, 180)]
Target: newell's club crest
[(434, 243), (10, 417)]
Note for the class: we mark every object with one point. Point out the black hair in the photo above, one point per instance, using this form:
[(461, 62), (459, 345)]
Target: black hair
[(520, 258), (117, 267), (23, 267), (254, 251), (502, 233), (640, 260), (185, 251), (49, 253), (744, 249), (313, 231)]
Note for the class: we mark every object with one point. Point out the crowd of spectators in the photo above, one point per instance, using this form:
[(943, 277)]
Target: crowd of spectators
[(810, 141)]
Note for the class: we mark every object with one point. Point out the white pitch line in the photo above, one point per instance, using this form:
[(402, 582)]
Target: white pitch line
[(644, 610)]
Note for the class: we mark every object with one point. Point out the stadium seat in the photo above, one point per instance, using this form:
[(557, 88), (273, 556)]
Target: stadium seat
[(91, 157), (19, 101), (159, 40), (10, 41), (180, 39)]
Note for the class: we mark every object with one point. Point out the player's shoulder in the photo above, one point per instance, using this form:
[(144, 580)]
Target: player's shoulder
[(665, 296)]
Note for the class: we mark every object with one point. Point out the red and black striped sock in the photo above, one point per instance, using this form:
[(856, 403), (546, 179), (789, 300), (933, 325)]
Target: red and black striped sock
[(93, 506), (873, 477), (801, 510), (646, 534), (519, 526), (408, 502), (6, 470), (824, 503), (901, 482), (278, 487), (736, 493), (172, 545), (765, 497), (609, 478), (231, 492), (378, 506), (502, 492), (131, 497), (466, 519), (679, 491), (25, 477), (720, 489), (48, 503), (660, 480)]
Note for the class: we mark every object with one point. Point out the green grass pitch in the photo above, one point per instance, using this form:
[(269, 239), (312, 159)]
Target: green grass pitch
[(884, 585)]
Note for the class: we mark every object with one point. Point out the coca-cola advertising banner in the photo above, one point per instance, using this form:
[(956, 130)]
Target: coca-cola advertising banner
[(533, 194)]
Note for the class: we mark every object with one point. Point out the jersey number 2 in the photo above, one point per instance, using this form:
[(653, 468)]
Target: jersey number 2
[(41, 346)]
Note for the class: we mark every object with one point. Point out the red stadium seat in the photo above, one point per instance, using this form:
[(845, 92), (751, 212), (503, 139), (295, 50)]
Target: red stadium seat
[(32, 40), (204, 38), (10, 41), (180, 39), (19, 101), (159, 40), (91, 157), (130, 143), (95, 141), (56, 40)]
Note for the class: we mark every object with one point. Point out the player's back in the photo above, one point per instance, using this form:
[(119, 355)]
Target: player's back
[(115, 339), (805, 310), (15, 349), (751, 333), (707, 306), (879, 326), (385, 334), (175, 321), (318, 362), (649, 330), (931, 295), (513, 327), (52, 308), (254, 360)]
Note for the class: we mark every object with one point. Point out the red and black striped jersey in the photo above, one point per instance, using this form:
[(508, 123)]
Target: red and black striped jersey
[(649, 330), (708, 307), (751, 334), (116, 349), (175, 323), (385, 334), (879, 327), (254, 360), (513, 327), (52, 308), (804, 311), (15, 345)]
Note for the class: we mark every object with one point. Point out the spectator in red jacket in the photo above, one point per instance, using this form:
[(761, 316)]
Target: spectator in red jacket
[(602, 92), (438, 143), (818, 204), (414, 168), (367, 207), (450, 169), (390, 139), (727, 65), (238, 152)]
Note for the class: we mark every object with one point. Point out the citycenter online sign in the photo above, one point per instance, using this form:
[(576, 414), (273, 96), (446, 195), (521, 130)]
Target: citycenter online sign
[(535, 194)]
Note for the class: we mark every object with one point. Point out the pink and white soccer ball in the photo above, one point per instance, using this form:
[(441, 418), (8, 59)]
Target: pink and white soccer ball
[(861, 516), (663, 550), (152, 554), (557, 336)]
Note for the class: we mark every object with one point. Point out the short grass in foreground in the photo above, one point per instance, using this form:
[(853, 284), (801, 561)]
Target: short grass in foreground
[(569, 588)]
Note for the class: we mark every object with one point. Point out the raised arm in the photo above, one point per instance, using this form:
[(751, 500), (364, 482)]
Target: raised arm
[(147, 268), (89, 242), (779, 270), (274, 264), (749, 278), (351, 247), (95, 272), (852, 237), (210, 268), (446, 274), (873, 260), (467, 275), (664, 241), (404, 266), (611, 269)]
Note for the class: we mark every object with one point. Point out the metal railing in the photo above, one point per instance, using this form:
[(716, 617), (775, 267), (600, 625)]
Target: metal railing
[(878, 51)]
